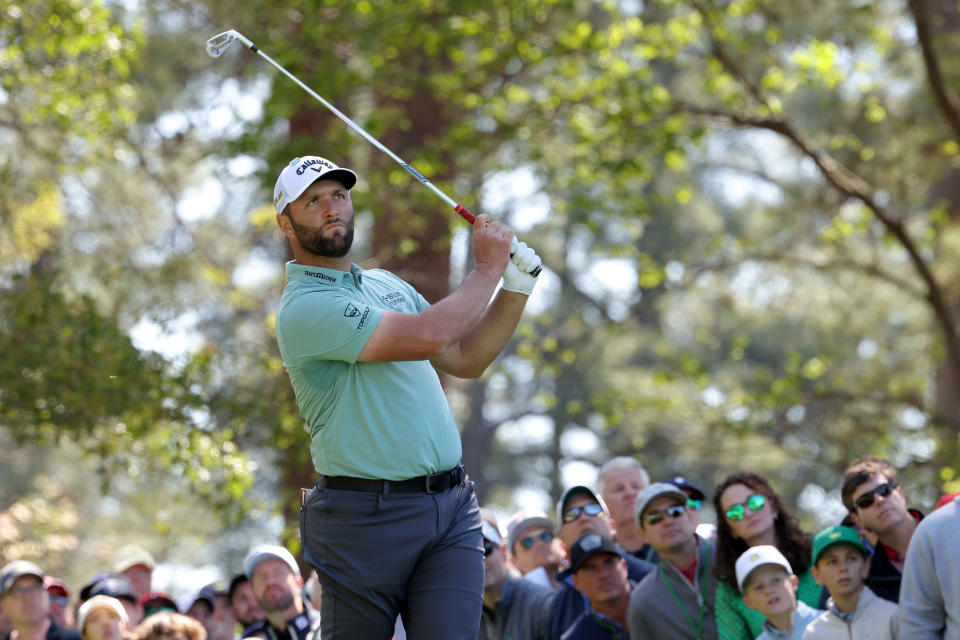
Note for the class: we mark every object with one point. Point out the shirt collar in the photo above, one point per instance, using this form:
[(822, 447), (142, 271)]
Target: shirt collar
[(305, 272)]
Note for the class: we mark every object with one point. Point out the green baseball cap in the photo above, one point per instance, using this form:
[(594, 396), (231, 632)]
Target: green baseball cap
[(836, 535)]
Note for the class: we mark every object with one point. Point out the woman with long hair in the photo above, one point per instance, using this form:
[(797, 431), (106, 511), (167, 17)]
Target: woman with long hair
[(750, 513)]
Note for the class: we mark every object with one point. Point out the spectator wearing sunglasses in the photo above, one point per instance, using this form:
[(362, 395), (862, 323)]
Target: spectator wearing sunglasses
[(513, 608), (876, 502), (676, 602), (60, 609), (581, 511), (26, 604), (618, 483), (750, 513), (533, 549)]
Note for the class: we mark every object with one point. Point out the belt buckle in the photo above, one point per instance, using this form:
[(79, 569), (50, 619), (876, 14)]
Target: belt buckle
[(429, 481)]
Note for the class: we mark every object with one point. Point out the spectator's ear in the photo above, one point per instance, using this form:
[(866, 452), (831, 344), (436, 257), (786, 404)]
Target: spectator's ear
[(816, 575), (795, 581), (856, 518)]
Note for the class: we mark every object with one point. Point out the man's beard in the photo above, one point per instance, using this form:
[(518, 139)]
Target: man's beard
[(276, 599), (313, 240)]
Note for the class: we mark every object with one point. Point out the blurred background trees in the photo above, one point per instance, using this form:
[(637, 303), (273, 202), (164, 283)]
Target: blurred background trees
[(747, 210)]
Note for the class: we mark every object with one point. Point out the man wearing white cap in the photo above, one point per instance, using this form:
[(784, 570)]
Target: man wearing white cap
[(276, 581), (513, 608), (358, 346)]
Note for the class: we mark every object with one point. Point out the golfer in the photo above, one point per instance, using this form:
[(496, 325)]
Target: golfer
[(392, 525)]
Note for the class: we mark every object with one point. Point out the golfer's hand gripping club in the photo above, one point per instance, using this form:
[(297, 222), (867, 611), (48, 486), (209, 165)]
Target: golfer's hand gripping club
[(221, 42), (522, 269)]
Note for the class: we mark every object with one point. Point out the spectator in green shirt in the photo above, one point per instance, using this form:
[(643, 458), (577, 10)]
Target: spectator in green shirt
[(750, 513)]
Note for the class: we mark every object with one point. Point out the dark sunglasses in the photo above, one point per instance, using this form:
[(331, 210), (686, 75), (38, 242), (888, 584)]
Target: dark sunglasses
[(754, 503), (674, 511), (527, 542), (488, 548), (591, 509), (696, 505), (882, 490)]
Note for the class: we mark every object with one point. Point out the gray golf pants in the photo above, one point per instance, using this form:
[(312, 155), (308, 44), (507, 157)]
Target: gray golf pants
[(378, 554)]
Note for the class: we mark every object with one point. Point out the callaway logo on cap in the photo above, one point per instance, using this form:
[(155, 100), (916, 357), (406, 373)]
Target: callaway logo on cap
[(300, 173)]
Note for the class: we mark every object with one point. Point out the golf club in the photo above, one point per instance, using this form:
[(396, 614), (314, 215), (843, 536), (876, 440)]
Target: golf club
[(220, 43)]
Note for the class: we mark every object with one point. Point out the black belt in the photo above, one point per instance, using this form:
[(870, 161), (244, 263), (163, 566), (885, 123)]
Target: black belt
[(434, 483)]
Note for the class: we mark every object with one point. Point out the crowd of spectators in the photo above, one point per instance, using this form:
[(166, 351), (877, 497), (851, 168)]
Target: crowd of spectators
[(628, 558)]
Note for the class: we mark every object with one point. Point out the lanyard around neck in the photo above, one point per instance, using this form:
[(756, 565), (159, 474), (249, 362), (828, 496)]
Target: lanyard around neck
[(702, 571)]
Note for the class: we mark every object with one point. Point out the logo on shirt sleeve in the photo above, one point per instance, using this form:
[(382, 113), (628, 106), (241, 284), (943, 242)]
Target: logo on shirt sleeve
[(351, 311)]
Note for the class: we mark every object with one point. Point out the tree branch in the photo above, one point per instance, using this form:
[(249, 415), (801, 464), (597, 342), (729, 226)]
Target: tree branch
[(842, 178), (829, 265), (853, 186), (946, 99)]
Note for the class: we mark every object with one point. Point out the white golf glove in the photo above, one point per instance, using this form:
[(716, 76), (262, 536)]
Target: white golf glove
[(518, 275)]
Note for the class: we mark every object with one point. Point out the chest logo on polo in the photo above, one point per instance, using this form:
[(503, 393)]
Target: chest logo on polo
[(394, 299)]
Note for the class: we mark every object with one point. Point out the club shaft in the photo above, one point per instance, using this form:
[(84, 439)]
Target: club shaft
[(460, 209), (353, 125)]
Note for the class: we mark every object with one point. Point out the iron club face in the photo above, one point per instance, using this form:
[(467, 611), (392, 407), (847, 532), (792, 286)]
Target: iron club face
[(220, 43)]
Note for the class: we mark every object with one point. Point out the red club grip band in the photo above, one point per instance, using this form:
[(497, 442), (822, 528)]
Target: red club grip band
[(469, 217)]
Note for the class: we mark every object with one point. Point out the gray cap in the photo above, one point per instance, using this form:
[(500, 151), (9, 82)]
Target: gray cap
[(523, 520), (574, 490), (264, 551), (651, 493), (17, 569)]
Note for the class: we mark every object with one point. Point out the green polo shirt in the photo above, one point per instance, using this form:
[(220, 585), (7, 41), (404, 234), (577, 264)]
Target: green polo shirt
[(388, 420)]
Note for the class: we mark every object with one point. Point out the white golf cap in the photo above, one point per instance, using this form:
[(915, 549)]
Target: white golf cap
[(100, 602), (490, 533), (302, 172), (755, 557), (264, 551)]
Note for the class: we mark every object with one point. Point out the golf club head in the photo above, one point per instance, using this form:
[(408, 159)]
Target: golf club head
[(220, 43)]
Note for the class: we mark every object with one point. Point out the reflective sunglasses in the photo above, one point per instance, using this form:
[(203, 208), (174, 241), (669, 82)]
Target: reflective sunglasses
[(696, 505), (754, 503), (674, 511), (882, 490), (591, 509), (527, 542), (488, 548)]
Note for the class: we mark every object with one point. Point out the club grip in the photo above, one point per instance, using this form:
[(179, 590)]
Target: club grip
[(469, 217)]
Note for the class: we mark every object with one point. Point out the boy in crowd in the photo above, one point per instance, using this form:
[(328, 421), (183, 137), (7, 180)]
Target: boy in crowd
[(841, 564), (769, 587), (102, 618)]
